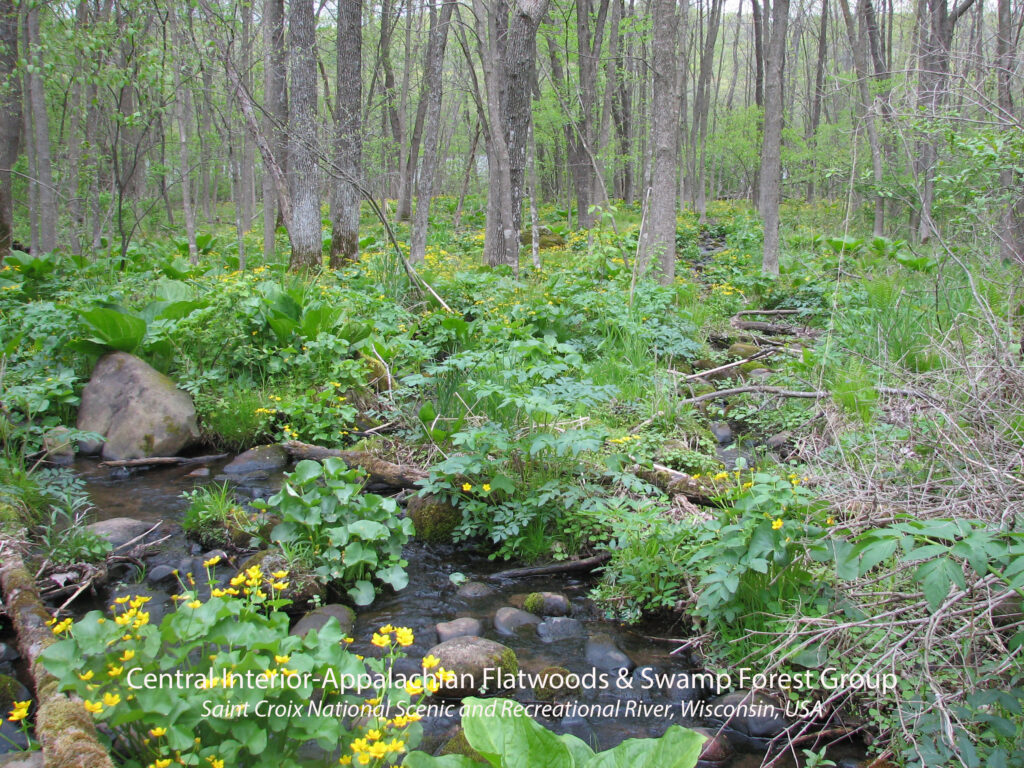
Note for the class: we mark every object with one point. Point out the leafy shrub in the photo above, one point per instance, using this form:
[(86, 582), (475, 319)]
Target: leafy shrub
[(348, 538), (233, 708)]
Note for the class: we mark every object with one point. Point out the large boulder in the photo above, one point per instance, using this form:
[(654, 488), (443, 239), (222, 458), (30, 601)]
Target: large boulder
[(119, 530), (470, 658), (138, 410)]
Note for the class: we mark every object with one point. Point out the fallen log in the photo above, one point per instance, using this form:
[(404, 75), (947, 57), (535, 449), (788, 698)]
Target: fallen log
[(568, 566), (156, 461), (675, 483), (381, 472), (63, 727), (766, 390), (776, 329), (727, 366)]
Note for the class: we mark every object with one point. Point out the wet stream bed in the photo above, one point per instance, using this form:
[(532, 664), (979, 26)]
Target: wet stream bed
[(620, 706)]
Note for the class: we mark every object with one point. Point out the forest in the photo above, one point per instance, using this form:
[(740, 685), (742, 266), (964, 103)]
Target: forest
[(524, 383)]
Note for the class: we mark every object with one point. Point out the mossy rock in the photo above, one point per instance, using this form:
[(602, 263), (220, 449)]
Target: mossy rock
[(458, 744), (554, 684), (741, 350), (470, 658), (303, 587), (434, 518), (547, 238)]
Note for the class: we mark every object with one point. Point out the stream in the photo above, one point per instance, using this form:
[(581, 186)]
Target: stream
[(616, 713)]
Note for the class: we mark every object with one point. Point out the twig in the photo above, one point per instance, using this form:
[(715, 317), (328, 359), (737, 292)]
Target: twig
[(768, 312), (140, 536)]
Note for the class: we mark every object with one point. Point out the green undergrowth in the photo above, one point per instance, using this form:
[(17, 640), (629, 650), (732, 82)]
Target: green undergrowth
[(535, 401)]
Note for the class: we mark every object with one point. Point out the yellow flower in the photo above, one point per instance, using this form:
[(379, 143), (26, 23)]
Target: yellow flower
[(776, 523), (429, 662), (404, 636), (280, 585), (281, 659), (114, 671), (373, 735), (122, 600), (156, 733), (111, 699), (85, 675), (279, 574), (487, 487), (194, 604), (830, 521), (93, 706), (19, 711), (162, 762), (128, 655), (467, 487), (413, 687), (345, 760), (211, 562), (215, 763), (381, 641)]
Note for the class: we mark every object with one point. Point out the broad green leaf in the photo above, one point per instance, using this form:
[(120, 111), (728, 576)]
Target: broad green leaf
[(678, 748), (368, 530), (423, 760), (362, 593), (117, 330), (508, 740)]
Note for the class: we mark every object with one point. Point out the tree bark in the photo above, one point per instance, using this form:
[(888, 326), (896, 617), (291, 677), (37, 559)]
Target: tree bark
[(303, 174), (771, 147), (348, 136), (659, 238), (247, 159), (10, 118), (433, 72)]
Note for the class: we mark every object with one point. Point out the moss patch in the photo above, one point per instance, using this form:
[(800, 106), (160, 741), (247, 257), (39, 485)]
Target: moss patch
[(459, 745), (553, 684), (434, 518)]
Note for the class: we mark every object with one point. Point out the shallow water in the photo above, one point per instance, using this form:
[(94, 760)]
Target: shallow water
[(155, 495)]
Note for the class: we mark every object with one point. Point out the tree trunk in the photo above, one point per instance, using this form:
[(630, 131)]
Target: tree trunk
[(10, 118), (47, 211), (1011, 236), (702, 106), (469, 169), (771, 147), (758, 22), (183, 119), (275, 114), (348, 136), (247, 159), (936, 23), (819, 92), (508, 56), (433, 72), (859, 44), (303, 175), (659, 238)]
